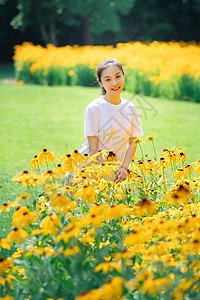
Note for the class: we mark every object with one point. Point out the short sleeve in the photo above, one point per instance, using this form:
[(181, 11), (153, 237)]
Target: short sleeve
[(136, 127), (91, 122)]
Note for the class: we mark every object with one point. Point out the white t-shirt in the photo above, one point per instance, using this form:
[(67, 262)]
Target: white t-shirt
[(112, 123)]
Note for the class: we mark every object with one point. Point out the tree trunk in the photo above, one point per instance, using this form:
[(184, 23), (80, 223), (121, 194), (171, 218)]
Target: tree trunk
[(48, 32), (87, 36), (53, 33)]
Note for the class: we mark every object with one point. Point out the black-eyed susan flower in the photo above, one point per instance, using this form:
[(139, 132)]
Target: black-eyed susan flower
[(26, 178), (95, 294), (197, 167), (34, 162), (49, 176), (8, 278), (16, 234), (62, 203), (115, 211), (79, 159), (146, 207), (69, 163), (87, 193), (4, 244), (114, 288), (4, 265), (23, 197), (135, 237), (49, 224), (68, 232), (8, 205), (46, 156), (72, 251), (154, 285), (59, 169), (181, 173), (150, 138), (23, 217), (182, 157), (108, 266)]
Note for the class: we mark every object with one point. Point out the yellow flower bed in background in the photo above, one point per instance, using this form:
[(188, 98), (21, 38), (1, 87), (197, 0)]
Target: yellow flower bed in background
[(174, 58), (157, 69)]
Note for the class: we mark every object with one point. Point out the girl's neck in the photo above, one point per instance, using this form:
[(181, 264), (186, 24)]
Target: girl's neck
[(112, 99)]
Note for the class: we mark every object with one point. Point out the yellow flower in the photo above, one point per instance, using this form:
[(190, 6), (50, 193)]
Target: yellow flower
[(16, 234), (181, 157), (70, 72), (150, 138), (19, 82), (70, 231), (104, 244), (69, 163), (49, 176), (62, 203), (18, 253), (71, 251), (46, 156), (197, 167), (145, 207), (22, 217), (60, 171), (6, 206), (87, 193), (4, 265), (153, 286), (23, 197), (49, 224), (108, 266), (34, 162), (26, 178), (4, 244)]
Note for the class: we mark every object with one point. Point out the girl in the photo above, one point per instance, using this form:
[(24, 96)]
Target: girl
[(110, 121)]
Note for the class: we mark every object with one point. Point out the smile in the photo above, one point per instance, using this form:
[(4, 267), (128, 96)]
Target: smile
[(116, 89)]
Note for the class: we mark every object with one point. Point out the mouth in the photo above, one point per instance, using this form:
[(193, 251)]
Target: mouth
[(116, 89)]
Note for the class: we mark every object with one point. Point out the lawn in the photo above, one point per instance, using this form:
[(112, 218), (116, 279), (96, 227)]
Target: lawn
[(35, 117)]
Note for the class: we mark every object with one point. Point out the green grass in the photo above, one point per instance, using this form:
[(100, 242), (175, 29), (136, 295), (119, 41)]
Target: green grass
[(35, 117)]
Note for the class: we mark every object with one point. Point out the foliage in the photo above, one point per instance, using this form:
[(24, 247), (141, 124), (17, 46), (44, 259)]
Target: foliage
[(93, 239), (47, 15)]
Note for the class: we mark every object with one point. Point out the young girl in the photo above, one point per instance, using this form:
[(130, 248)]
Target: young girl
[(110, 121)]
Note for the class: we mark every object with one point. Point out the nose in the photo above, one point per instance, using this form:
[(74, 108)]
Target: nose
[(114, 82)]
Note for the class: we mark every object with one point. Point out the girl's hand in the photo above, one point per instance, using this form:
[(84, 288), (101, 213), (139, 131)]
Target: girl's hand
[(121, 175)]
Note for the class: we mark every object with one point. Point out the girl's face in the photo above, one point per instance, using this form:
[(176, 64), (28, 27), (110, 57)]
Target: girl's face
[(112, 79)]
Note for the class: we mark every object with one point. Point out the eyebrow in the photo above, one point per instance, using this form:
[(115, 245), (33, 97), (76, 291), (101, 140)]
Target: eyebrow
[(115, 74)]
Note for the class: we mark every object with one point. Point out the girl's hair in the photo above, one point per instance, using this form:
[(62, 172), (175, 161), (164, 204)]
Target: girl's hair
[(103, 65)]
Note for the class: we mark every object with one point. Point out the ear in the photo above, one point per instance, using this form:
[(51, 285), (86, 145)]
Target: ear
[(100, 83)]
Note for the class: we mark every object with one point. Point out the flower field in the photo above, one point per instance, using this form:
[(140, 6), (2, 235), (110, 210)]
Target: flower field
[(157, 69), (89, 238)]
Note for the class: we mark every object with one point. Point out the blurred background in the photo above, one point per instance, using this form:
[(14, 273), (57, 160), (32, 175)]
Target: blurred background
[(95, 22)]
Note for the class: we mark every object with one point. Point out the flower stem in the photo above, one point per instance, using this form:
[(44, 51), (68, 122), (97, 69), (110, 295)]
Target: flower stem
[(154, 148), (141, 151)]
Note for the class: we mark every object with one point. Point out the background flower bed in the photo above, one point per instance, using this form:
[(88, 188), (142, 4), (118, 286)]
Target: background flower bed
[(158, 69), (94, 239)]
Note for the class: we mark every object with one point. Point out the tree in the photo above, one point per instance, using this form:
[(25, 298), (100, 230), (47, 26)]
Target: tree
[(93, 16), (163, 20)]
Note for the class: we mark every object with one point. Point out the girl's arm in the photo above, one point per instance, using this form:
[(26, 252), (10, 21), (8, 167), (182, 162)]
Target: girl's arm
[(93, 144), (121, 174)]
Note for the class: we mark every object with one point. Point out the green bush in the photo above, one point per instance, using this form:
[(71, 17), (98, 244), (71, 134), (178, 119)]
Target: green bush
[(22, 71), (83, 75), (137, 81)]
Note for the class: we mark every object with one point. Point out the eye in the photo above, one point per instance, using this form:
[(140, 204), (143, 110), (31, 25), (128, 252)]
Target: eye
[(118, 76), (107, 79)]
